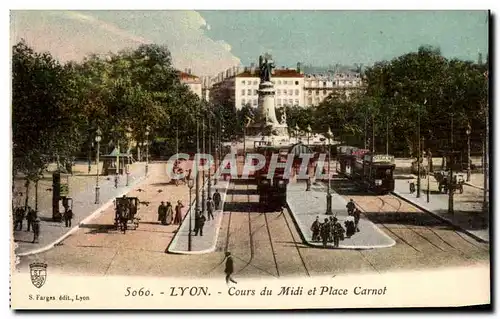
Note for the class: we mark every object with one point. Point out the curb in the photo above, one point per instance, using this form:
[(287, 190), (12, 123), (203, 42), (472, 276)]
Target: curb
[(315, 245), (475, 186), (98, 211), (447, 221), (220, 216)]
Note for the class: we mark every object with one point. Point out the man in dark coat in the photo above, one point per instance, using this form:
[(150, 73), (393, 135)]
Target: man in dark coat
[(199, 222), (338, 233), (36, 230), (68, 216), (315, 228), (162, 213), (325, 232), (18, 218), (30, 217), (350, 207), (210, 209), (178, 213), (217, 199), (229, 268), (357, 216)]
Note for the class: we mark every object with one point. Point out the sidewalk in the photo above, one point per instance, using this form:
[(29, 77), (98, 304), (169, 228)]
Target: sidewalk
[(82, 190), (467, 216), (200, 244), (306, 205)]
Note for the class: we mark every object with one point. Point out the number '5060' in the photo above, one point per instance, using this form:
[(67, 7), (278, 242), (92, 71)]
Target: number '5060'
[(134, 292)]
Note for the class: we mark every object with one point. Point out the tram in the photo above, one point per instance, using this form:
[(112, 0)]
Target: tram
[(272, 189), (374, 172)]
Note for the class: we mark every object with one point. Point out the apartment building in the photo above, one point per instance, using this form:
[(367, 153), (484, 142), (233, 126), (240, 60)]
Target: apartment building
[(192, 81), (318, 86)]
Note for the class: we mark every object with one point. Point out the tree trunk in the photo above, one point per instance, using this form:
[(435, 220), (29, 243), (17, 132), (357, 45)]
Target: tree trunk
[(27, 185)]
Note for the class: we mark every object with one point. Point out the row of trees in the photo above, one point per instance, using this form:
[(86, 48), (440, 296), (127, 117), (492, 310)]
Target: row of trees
[(57, 108), (446, 95)]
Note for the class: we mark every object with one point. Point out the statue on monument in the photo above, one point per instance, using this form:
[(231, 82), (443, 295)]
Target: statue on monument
[(283, 117), (266, 65)]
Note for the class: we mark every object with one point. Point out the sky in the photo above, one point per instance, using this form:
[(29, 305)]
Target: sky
[(208, 42)]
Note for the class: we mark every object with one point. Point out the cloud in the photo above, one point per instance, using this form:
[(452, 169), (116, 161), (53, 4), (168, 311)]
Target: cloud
[(71, 35)]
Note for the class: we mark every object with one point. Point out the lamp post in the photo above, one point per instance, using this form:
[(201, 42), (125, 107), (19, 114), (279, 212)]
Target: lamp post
[(128, 134), (216, 147), (468, 131), (190, 183), (203, 196), (428, 175), (328, 194), (209, 189), (147, 148), (309, 130), (98, 140), (197, 190)]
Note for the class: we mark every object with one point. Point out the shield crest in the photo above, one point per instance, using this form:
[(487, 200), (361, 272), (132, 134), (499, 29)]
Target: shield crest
[(38, 272)]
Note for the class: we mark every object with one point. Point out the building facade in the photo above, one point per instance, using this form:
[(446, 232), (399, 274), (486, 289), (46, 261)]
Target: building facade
[(192, 81), (318, 86), (239, 86)]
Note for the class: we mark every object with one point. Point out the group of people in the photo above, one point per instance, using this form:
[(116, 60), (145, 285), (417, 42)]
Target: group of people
[(331, 230), (166, 213), (20, 213)]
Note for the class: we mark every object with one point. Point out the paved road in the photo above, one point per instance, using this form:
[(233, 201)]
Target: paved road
[(82, 190), (265, 244)]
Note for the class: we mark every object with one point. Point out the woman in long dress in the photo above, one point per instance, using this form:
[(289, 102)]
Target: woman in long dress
[(178, 213), (169, 214)]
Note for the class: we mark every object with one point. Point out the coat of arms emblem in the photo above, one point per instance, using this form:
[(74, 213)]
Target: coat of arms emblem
[(38, 272)]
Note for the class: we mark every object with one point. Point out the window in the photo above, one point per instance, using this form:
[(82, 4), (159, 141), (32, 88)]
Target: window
[(296, 82), (254, 82), (278, 92), (243, 92), (290, 92), (255, 102), (249, 92), (279, 82), (243, 82), (324, 92), (310, 101), (255, 92), (296, 102), (324, 83), (290, 102), (296, 92), (309, 92), (317, 92), (279, 102), (243, 102)]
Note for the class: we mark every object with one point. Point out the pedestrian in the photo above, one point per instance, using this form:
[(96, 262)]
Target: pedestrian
[(315, 228), (229, 268), (169, 214), (331, 225), (124, 216), (19, 217), (210, 209), (199, 222), (308, 184), (350, 207), (178, 213), (36, 230), (357, 216), (68, 216), (338, 233), (217, 199), (325, 232), (30, 217), (349, 227), (162, 213)]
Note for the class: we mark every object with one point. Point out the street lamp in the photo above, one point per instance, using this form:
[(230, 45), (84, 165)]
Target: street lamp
[(128, 134), (98, 140), (468, 131), (190, 183), (147, 148), (309, 130), (328, 194)]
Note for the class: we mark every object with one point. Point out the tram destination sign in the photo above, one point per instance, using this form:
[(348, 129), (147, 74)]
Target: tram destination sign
[(379, 158)]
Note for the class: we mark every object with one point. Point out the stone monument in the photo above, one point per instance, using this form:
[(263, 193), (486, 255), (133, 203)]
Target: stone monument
[(265, 124)]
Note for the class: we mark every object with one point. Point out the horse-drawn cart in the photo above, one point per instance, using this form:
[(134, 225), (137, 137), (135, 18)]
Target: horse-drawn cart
[(126, 209), (442, 177)]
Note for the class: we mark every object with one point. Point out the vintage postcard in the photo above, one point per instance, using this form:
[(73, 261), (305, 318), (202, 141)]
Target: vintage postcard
[(170, 159)]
